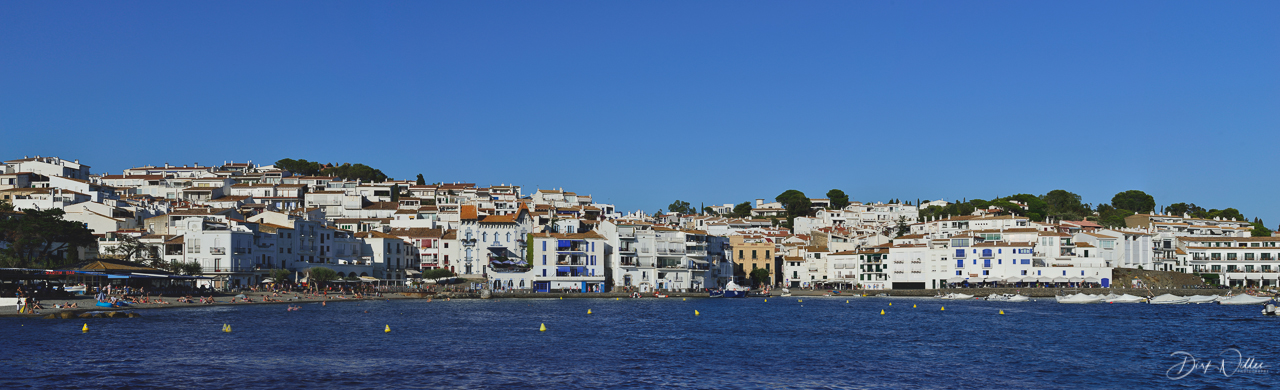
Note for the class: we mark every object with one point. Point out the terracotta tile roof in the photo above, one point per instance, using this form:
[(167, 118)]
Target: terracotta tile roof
[(467, 211)]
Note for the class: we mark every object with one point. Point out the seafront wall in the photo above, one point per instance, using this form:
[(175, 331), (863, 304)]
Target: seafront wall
[(977, 292)]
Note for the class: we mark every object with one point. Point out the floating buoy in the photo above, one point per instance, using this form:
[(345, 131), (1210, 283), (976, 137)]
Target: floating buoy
[(588, 311), (890, 303), (562, 298), (1001, 311), (696, 313), (387, 329), (226, 328), (799, 300), (617, 299), (766, 300), (881, 311), (944, 308), (684, 299), (543, 328), (84, 328), (913, 306), (846, 301)]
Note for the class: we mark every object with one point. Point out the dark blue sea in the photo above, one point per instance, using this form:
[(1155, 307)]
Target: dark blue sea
[(649, 343)]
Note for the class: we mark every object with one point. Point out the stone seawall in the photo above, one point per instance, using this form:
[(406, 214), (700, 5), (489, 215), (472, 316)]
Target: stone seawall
[(977, 292)]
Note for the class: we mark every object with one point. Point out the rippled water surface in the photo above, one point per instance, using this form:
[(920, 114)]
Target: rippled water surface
[(645, 343)]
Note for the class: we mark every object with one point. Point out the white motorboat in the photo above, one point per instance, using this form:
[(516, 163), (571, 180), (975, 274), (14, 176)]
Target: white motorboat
[(1198, 299), (1168, 299), (1244, 299), (1126, 298), (1007, 298), (957, 296), (1079, 298)]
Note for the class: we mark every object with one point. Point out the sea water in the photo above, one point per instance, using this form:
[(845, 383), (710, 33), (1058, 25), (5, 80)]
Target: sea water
[(650, 343)]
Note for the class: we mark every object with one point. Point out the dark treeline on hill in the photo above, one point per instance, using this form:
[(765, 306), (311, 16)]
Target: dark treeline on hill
[(345, 171)]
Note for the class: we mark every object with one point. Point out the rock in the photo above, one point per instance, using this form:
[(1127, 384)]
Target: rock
[(486, 294), (86, 315), (66, 315), (49, 317), (100, 315), (133, 315), (113, 314)]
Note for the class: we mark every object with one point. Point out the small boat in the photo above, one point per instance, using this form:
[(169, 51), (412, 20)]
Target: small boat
[(731, 290), (1078, 298), (1244, 299), (1168, 299), (1007, 298), (786, 292), (885, 295), (1126, 298), (957, 296), (1271, 310), (1198, 299)]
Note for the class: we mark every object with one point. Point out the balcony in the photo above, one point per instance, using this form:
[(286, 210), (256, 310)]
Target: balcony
[(217, 251)]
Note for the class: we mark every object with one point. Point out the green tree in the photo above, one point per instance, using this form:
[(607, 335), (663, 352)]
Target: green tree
[(360, 172), (903, 228), (437, 274), (759, 276), (710, 211), (128, 248), (838, 199), (35, 238), (281, 275), (5, 205), (189, 268), (1113, 217), (299, 167), (1137, 201), (742, 210), (1259, 230), (1177, 209), (421, 180), (1064, 205), (796, 204), (680, 207), (321, 275)]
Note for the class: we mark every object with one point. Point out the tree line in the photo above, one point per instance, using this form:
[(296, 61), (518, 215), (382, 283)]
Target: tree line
[(346, 171)]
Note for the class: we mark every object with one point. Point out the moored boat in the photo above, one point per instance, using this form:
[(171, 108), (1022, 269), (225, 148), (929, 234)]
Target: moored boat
[(1244, 299), (1078, 298), (1198, 299), (957, 296), (1168, 299), (1125, 298)]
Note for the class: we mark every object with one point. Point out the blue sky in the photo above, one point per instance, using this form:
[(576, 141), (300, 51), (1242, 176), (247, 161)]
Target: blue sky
[(642, 103)]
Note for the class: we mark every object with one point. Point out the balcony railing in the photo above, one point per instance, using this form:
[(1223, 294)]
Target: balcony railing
[(217, 251)]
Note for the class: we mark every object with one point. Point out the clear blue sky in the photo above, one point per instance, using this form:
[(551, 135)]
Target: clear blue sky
[(642, 103)]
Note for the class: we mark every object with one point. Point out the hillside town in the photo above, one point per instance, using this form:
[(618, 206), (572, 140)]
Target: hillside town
[(236, 223)]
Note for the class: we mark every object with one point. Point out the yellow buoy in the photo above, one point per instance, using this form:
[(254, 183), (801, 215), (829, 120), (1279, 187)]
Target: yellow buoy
[(387, 329), (846, 301), (562, 298), (226, 328), (799, 300), (588, 311), (617, 299), (695, 312), (913, 306), (85, 328), (766, 300), (881, 311), (1001, 311), (543, 328), (890, 303), (684, 299), (944, 308)]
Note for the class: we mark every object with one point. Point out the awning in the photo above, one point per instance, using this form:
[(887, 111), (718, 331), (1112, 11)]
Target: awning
[(1061, 280), (695, 261), (977, 280), (1075, 280), (1092, 280), (368, 279), (956, 279)]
